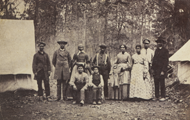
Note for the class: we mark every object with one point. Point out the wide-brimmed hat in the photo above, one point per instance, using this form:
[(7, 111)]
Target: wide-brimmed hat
[(102, 45), (43, 43), (62, 41), (160, 40), (95, 66), (146, 41)]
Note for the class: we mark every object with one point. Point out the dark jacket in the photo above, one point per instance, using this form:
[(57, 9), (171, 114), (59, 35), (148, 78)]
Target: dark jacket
[(41, 62), (160, 61), (62, 62)]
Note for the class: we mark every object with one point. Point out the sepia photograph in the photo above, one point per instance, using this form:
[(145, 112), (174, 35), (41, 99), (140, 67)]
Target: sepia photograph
[(94, 60)]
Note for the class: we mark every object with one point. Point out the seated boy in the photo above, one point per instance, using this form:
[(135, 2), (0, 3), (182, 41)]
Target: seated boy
[(79, 83), (96, 81)]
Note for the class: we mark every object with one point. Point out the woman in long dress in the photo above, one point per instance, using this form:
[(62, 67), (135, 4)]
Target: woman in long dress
[(124, 64), (140, 86)]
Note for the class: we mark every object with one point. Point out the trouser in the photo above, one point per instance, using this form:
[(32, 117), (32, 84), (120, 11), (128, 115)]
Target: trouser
[(78, 94), (64, 86), (160, 83), (97, 92), (105, 77), (40, 77)]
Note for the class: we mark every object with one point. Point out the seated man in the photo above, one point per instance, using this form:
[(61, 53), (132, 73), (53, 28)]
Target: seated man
[(96, 81), (79, 83)]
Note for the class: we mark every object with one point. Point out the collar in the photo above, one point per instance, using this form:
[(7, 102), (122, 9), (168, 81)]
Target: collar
[(41, 52), (160, 48), (62, 49), (80, 52)]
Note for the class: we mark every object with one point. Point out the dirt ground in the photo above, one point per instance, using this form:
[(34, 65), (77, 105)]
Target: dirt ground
[(24, 105)]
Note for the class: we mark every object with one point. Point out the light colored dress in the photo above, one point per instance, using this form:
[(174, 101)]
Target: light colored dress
[(140, 86)]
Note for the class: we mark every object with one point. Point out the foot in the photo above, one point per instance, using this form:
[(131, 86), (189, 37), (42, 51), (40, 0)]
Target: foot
[(162, 99), (49, 99), (82, 102), (58, 99), (94, 103), (99, 102), (155, 99), (40, 98), (74, 102)]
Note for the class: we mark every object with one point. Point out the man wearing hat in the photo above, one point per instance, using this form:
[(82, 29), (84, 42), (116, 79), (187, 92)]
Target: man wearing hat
[(62, 62), (42, 69), (79, 82), (159, 68), (102, 60), (97, 82)]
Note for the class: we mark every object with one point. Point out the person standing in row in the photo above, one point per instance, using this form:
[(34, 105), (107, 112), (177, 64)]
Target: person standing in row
[(159, 68), (80, 58), (42, 70), (62, 62), (140, 87), (125, 63), (102, 60), (149, 54)]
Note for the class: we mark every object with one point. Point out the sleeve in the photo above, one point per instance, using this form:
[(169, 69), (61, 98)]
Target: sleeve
[(74, 57), (54, 58), (109, 64), (48, 64), (94, 61), (87, 82), (101, 81), (90, 81), (34, 64), (86, 58), (69, 59), (72, 80), (129, 61), (165, 61), (145, 60), (116, 61)]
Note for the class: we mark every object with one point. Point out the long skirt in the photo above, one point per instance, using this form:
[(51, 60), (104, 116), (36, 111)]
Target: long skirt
[(139, 87)]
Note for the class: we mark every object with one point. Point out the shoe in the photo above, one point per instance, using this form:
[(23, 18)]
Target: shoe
[(82, 102), (155, 99), (94, 103), (99, 103), (74, 102), (58, 99), (40, 98), (49, 99), (162, 99)]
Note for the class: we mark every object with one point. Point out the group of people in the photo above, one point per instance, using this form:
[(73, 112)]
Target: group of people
[(137, 76)]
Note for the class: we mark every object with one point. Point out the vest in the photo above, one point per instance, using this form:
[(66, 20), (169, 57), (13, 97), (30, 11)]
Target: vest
[(96, 79)]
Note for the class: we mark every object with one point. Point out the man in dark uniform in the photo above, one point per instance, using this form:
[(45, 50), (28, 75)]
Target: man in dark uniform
[(62, 62), (159, 67), (102, 60), (42, 69)]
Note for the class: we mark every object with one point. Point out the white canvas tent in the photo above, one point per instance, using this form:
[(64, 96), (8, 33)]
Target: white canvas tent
[(17, 47), (182, 56)]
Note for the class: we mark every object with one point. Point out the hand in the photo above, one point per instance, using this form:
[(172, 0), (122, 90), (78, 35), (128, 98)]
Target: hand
[(74, 87), (122, 70), (162, 73), (49, 73), (35, 74)]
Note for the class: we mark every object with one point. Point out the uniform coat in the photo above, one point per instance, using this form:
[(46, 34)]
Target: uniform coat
[(41, 62), (62, 62), (160, 61)]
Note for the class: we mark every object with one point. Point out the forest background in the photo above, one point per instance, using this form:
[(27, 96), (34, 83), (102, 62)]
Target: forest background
[(113, 22)]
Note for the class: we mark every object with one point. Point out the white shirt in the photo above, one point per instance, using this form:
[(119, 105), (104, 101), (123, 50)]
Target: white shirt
[(149, 53)]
